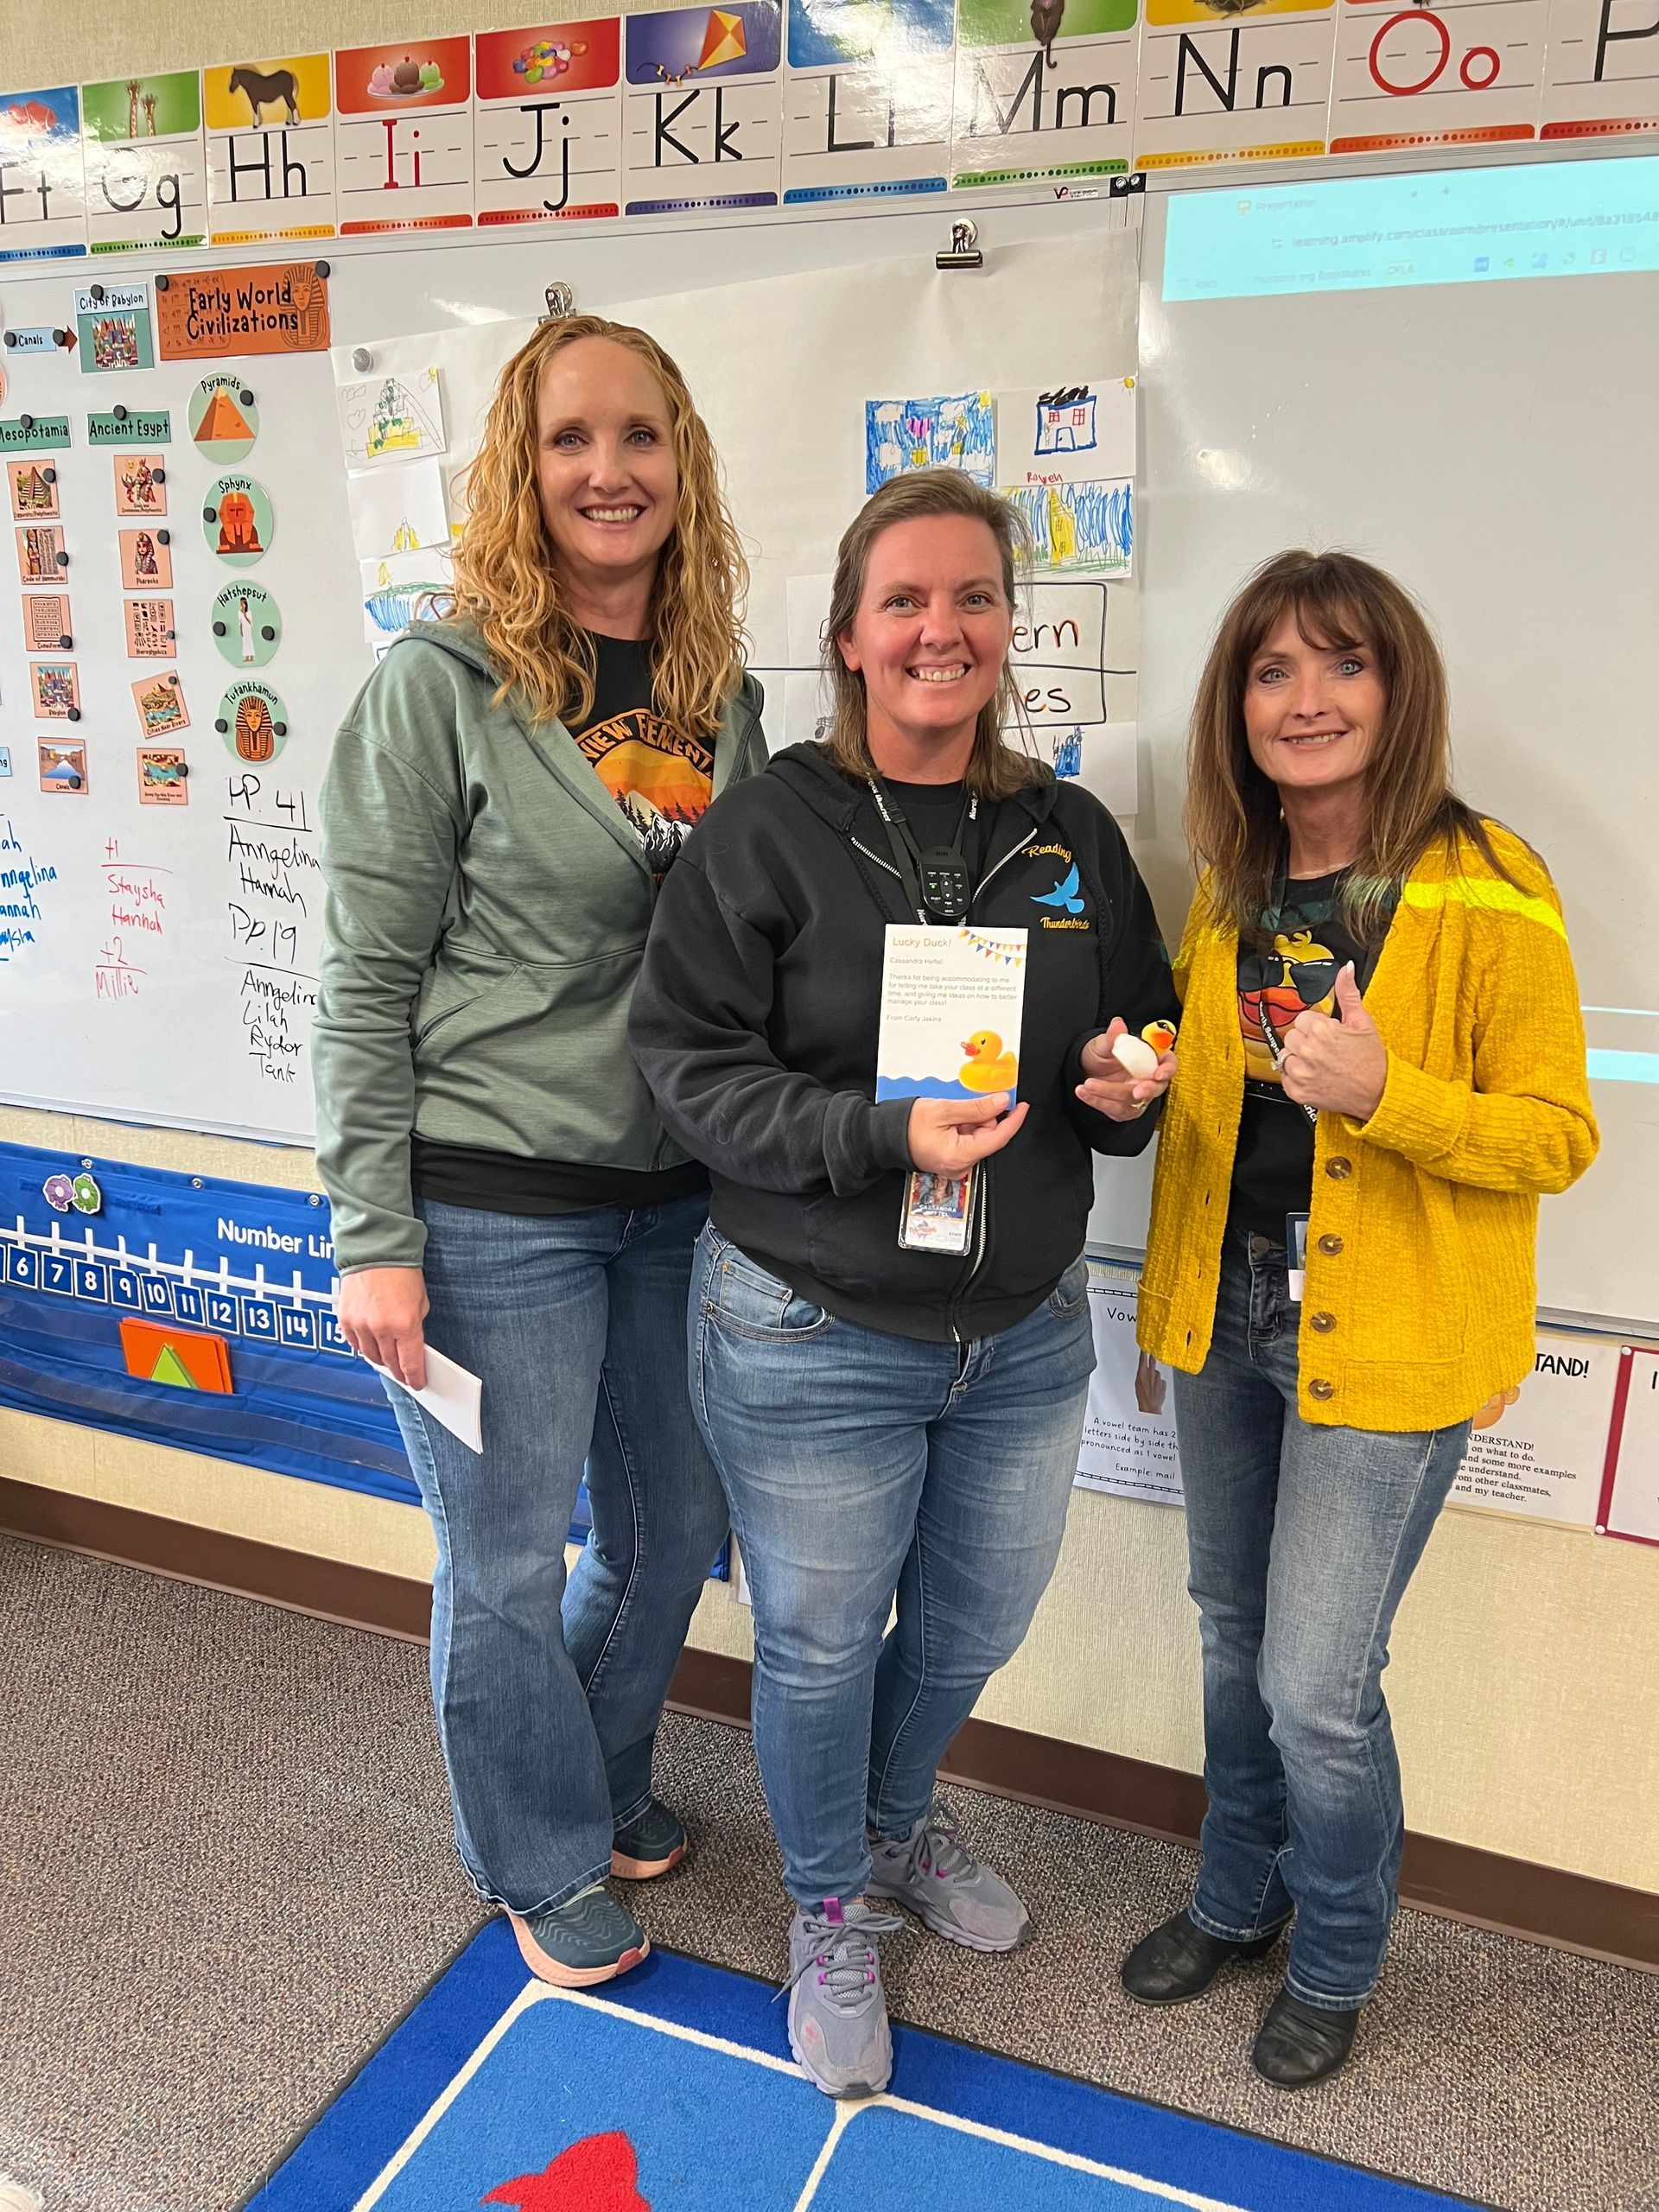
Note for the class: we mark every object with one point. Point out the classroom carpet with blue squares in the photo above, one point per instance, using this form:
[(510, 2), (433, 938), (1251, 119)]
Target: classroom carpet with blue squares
[(672, 2090)]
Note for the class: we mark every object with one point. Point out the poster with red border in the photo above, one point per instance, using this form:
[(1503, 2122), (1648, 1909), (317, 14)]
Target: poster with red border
[(1629, 1488)]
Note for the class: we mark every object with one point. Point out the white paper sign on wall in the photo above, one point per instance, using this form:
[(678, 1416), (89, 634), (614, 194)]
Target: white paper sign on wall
[(1129, 1434), (1540, 1458), (1629, 1505)]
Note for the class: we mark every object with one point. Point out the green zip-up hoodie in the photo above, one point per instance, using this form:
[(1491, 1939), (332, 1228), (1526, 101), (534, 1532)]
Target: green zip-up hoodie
[(486, 912)]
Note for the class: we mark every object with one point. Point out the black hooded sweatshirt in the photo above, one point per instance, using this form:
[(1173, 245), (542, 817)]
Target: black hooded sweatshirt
[(755, 1019)]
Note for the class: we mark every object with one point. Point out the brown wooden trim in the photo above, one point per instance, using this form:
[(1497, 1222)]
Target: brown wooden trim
[(1541, 1904), (331, 1590)]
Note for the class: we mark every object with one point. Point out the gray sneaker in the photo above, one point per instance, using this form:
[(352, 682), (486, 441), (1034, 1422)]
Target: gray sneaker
[(838, 2012), (944, 1886)]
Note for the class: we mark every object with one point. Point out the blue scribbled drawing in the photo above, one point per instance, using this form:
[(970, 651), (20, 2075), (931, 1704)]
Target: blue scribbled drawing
[(1068, 752), (954, 432), (1065, 420), (392, 608), (1081, 529)]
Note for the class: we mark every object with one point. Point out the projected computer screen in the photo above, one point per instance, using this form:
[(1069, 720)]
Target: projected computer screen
[(1446, 226)]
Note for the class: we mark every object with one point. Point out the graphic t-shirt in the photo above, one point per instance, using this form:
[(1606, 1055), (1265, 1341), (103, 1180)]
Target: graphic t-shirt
[(663, 783), (661, 779), (1273, 1168)]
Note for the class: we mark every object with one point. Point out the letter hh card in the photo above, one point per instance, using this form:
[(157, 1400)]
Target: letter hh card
[(951, 1006)]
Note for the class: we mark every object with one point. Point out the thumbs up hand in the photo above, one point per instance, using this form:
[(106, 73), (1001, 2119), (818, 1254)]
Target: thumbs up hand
[(1336, 1067)]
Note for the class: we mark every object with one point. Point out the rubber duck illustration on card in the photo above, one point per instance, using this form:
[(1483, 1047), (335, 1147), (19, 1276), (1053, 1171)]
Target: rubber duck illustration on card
[(987, 1067)]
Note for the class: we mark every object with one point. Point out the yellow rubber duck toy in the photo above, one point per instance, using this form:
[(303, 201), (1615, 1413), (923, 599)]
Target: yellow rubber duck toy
[(987, 1067)]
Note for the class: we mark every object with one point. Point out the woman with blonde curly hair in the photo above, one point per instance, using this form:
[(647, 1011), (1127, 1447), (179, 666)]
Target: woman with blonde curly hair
[(507, 795)]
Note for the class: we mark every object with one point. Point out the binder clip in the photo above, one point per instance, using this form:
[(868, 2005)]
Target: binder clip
[(965, 252), (561, 301)]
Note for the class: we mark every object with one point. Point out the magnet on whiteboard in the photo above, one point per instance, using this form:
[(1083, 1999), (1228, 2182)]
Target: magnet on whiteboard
[(63, 560), (96, 292), (59, 1191), (158, 476), (86, 1196), (11, 337), (362, 360), (561, 301), (163, 538), (162, 283), (26, 422), (120, 414), (322, 268)]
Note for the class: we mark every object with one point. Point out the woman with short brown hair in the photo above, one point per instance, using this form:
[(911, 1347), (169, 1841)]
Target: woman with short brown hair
[(1382, 1066)]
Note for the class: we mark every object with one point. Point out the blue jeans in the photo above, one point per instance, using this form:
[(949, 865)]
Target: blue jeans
[(859, 1467), (547, 1697), (1301, 1540)]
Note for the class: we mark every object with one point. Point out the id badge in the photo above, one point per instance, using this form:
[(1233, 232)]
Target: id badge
[(938, 1215), (1296, 1253)]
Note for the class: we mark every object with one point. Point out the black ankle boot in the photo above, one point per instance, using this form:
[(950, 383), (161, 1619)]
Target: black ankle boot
[(1178, 1960), (1299, 2045)]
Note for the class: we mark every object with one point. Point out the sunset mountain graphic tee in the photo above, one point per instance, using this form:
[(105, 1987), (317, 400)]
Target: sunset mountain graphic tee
[(660, 779)]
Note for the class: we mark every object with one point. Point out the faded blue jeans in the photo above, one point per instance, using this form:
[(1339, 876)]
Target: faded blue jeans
[(547, 1697), (1301, 1540), (859, 1467)]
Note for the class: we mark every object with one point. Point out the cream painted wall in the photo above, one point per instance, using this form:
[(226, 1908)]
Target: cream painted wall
[(1524, 1687), (1528, 1674)]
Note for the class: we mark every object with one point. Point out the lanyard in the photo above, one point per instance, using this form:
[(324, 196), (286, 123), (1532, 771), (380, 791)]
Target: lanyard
[(937, 882)]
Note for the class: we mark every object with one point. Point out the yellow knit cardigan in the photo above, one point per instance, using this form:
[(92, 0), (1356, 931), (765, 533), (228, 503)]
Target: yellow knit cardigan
[(1420, 1296)]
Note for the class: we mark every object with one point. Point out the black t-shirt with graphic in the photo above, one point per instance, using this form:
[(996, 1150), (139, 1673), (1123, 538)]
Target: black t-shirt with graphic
[(661, 779), (1273, 1168), (663, 782)]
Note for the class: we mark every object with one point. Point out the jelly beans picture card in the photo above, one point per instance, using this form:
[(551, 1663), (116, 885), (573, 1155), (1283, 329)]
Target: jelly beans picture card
[(146, 560), (56, 691), (141, 484), (160, 701), (34, 490), (150, 629)]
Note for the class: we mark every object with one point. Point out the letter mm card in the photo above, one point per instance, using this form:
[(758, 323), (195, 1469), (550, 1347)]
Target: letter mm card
[(1601, 73), (703, 110), (547, 123), (146, 161), (866, 102), (43, 188), (1044, 91), (403, 136), (1464, 72), (1253, 88), (270, 149)]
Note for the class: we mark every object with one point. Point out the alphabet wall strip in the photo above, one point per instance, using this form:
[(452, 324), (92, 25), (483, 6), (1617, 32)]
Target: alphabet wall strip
[(755, 106)]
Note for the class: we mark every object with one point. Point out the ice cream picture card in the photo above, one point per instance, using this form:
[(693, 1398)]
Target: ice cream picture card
[(951, 1003)]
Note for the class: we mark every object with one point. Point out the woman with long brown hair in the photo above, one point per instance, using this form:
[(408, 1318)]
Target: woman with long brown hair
[(509, 790), (1383, 1067), (891, 1343)]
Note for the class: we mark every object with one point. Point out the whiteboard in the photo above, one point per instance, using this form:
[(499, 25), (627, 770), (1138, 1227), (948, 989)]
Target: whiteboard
[(1497, 448), (172, 965), (1492, 446)]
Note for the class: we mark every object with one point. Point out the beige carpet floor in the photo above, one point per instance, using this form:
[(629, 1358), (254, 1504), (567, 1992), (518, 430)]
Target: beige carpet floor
[(226, 1867)]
